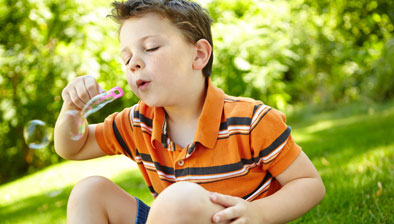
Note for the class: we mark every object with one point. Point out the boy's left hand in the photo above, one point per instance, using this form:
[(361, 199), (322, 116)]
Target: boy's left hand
[(237, 210)]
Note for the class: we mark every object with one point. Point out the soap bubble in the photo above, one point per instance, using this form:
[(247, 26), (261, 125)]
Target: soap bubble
[(79, 124), (36, 134), (92, 106)]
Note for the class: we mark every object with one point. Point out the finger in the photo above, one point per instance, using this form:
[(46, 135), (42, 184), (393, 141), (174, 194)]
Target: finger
[(82, 92), (224, 200), (227, 214), (76, 100), (67, 98), (91, 87)]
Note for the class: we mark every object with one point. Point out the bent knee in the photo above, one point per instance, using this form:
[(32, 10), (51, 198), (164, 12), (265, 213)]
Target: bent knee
[(89, 187), (185, 195), (187, 201), (183, 188)]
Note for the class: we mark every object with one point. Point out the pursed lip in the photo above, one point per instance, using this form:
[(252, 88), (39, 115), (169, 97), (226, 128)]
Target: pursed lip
[(141, 84)]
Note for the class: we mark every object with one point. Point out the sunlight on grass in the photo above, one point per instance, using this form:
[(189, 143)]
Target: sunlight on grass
[(320, 126), (371, 160), (57, 177)]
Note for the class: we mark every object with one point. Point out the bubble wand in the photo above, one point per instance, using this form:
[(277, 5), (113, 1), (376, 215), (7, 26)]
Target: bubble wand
[(95, 104)]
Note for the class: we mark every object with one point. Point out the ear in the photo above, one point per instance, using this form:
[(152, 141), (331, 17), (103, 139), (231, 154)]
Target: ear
[(203, 53)]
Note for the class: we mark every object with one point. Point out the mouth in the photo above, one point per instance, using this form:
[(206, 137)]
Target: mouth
[(142, 84)]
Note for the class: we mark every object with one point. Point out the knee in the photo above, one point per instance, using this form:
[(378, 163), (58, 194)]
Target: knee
[(185, 195), (89, 189), (187, 201)]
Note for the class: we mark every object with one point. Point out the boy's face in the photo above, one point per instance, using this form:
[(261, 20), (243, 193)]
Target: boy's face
[(158, 59)]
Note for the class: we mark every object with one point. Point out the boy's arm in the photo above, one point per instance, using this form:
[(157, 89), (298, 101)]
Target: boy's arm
[(302, 190), (75, 96), (84, 148)]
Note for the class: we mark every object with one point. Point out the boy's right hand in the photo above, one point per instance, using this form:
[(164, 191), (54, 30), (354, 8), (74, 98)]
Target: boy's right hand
[(75, 95), (79, 91)]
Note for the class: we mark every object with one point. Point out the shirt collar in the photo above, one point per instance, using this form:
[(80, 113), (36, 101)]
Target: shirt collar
[(208, 123), (210, 118)]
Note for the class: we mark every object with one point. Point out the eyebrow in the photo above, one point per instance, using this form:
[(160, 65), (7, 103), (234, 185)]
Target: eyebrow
[(124, 50)]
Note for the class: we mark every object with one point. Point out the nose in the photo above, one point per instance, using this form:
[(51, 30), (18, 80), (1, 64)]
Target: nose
[(136, 63)]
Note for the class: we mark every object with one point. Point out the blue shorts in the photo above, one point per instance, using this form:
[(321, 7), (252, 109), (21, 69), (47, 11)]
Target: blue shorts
[(142, 212)]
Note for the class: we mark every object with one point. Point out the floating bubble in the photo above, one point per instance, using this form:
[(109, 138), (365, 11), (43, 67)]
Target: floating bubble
[(92, 106), (36, 134), (79, 124)]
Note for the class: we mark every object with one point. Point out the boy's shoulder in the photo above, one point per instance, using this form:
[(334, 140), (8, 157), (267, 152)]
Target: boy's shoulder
[(240, 99), (241, 105)]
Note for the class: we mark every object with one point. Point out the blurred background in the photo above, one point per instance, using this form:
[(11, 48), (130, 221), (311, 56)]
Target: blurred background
[(297, 56)]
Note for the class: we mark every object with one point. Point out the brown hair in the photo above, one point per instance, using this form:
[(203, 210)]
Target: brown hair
[(189, 17)]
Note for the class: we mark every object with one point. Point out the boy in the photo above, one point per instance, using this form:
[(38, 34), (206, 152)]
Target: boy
[(206, 156)]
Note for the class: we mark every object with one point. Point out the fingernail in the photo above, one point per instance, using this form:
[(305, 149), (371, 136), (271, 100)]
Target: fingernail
[(216, 218)]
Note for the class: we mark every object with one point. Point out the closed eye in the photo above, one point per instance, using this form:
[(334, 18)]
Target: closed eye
[(127, 61), (152, 49)]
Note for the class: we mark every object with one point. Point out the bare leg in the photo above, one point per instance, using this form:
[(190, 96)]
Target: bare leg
[(183, 202), (98, 200)]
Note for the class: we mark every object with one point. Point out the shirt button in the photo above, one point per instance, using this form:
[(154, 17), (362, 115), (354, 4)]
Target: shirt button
[(181, 162)]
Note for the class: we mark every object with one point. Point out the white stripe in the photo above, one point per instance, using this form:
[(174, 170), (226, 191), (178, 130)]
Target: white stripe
[(169, 144), (233, 127), (223, 132), (258, 112), (137, 121), (143, 125), (260, 189), (132, 112), (171, 177), (151, 165), (274, 153)]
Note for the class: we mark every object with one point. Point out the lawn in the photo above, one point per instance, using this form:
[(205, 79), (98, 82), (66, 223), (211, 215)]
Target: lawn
[(352, 147)]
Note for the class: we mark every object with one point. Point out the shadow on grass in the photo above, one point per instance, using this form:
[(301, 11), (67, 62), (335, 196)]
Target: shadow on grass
[(50, 207)]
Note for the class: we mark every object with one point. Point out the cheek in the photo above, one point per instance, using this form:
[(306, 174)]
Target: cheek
[(129, 78), (130, 81)]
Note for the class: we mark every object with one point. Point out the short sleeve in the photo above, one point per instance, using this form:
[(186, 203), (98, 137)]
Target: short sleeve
[(272, 146), (114, 135)]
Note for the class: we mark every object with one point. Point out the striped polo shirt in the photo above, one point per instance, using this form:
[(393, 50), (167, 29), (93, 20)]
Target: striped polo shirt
[(240, 145)]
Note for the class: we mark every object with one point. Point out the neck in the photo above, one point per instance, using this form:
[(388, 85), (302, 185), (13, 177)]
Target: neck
[(189, 110)]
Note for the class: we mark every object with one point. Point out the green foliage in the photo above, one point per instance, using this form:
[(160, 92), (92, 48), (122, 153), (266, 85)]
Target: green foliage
[(31, 76), (43, 45), (380, 83), (289, 52)]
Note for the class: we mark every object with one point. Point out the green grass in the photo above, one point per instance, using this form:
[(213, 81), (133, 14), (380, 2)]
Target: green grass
[(352, 147)]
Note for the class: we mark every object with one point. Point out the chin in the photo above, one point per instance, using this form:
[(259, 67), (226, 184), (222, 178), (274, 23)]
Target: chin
[(152, 103)]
